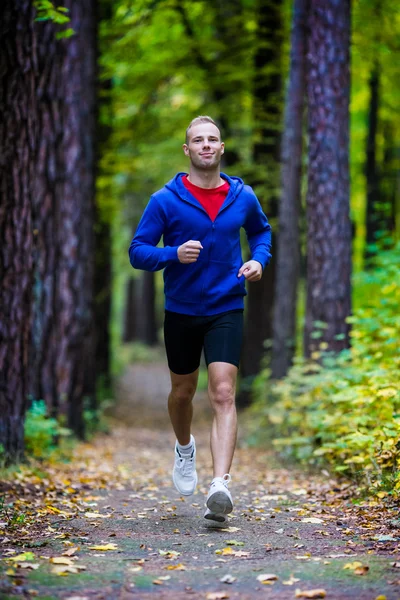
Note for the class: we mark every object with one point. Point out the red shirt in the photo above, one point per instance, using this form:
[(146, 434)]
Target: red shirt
[(211, 199)]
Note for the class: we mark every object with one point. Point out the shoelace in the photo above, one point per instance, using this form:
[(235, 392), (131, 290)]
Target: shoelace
[(226, 479), (186, 463)]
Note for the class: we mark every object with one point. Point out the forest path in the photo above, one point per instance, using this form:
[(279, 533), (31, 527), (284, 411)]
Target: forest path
[(129, 535)]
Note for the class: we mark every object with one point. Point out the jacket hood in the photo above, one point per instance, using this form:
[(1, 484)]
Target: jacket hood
[(177, 187)]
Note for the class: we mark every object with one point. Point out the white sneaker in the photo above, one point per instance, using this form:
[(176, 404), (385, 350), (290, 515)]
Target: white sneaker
[(184, 473), (219, 500)]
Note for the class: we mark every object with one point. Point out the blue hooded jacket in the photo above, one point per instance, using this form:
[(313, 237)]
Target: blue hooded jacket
[(210, 285)]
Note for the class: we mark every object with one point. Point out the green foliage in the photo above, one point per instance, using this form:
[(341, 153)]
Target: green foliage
[(345, 409), (46, 11), (12, 517), (42, 431)]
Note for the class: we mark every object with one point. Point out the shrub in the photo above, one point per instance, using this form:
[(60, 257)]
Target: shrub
[(345, 409), (41, 431)]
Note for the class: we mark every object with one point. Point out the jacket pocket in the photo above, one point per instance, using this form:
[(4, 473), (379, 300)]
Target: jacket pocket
[(222, 280), (184, 282)]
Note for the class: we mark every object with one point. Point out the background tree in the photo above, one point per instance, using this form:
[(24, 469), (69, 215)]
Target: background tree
[(18, 139), (288, 250), (329, 231), (264, 176)]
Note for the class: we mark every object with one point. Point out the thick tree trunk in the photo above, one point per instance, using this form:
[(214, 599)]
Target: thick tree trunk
[(288, 259), (18, 138), (267, 119), (75, 275), (48, 188), (102, 305), (329, 230), (144, 306), (371, 167)]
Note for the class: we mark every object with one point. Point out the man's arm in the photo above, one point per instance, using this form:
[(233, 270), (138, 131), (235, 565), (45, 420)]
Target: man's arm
[(143, 251)]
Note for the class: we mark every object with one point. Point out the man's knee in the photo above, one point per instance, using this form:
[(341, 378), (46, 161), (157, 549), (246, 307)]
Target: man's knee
[(222, 394), (183, 392)]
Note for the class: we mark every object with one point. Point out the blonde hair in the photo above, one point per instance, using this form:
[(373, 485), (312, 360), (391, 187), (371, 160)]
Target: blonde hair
[(197, 121)]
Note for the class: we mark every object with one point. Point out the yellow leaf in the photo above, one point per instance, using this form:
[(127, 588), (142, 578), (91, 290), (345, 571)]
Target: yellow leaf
[(71, 551), (105, 547), (95, 515), (60, 560), (22, 557), (225, 551), (353, 565), (178, 567), (311, 594), (65, 569), (267, 578), (381, 597), (157, 582), (291, 580)]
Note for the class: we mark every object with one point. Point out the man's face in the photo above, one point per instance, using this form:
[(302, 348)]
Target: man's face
[(204, 146)]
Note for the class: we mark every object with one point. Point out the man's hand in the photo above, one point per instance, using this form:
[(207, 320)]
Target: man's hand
[(189, 251), (252, 270)]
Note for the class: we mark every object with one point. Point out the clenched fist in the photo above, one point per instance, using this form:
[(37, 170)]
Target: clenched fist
[(189, 251), (252, 270)]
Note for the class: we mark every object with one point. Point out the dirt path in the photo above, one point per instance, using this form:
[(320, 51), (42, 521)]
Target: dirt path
[(114, 516)]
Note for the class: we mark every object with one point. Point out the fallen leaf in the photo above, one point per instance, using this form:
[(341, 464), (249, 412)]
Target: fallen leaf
[(178, 567), (29, 565), (225, 551), (157, 582), (136, 569), (165, 578), (22, 557), (310, 594), (396, 565), (71, 551), (363, 570), (227, 579), (217, 596), (231, 529), (267, 578), (169, 553), (292, 580), (65, 569), (234, 543), (105, 547), (95, 515), (312, 520), (61, 560)]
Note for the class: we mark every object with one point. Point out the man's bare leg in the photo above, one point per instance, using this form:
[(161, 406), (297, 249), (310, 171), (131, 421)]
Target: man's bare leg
[(221, 390), (180, 407)]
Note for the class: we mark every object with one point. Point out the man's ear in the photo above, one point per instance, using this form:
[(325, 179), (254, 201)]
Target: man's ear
[(186, 149), (222, 147)]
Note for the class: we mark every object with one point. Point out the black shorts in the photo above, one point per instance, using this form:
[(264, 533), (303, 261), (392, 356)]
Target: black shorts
[(185, 336)]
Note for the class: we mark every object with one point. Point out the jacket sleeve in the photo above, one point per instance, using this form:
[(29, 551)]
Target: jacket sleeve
[(258, 232), (143, 251)]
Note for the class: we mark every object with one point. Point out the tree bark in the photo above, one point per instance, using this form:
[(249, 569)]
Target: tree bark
[(288, 260), (265, 180), (329, 230), (18, 138), (48, 188), (76, 268)]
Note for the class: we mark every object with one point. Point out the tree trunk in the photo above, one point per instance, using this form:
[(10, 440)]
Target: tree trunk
[(18, 138), (265, 180), (144, 306), (48, 188), (371, 167), (75, 276), (288, 260), (129, 331), (329, 230)]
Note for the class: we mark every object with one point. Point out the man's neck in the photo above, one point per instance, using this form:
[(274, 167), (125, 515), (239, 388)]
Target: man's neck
[(205, 179)]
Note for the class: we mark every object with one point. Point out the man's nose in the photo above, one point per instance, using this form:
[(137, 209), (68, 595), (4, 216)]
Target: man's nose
[(206, 144)]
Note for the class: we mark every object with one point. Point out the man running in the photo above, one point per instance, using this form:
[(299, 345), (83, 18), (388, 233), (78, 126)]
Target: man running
[(200, 215)]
